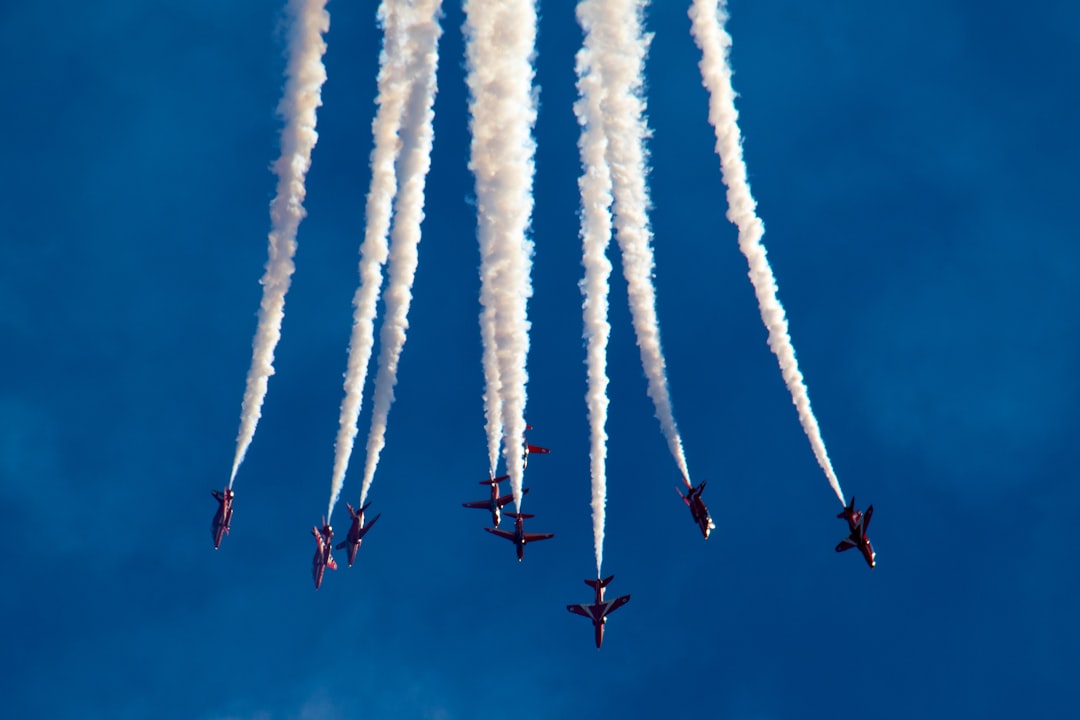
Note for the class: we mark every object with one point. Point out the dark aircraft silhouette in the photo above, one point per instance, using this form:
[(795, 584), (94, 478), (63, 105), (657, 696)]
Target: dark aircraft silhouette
[(519, 537), (495, 502), (858, 523), (693, 500), (323, 559), (357, 531), (220, 525), (600, 608)]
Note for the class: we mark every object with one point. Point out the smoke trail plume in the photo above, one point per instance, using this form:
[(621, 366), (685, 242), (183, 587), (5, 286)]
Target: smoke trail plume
[(595, 186), (492, 385), (393, 86), (501, 36), (627, 130), (305, 75), (415, 160), (708, 18)]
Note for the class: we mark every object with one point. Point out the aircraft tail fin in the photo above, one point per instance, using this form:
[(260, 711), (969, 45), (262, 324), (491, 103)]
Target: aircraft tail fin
[(526, 516), (848, 510), (598, 583), (495, 481)]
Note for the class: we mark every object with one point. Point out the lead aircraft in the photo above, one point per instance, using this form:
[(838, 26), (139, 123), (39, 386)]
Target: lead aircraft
[(600, 608), (519, 537), (495, 503), (357, 531), (220, 525)]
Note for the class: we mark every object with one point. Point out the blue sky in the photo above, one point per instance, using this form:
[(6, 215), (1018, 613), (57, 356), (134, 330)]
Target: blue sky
[(915, 169)]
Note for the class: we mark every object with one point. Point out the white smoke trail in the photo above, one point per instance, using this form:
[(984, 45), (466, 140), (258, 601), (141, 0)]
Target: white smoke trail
[(415, 160), (708, 18), (595, 186), (305, 75), (627, 131), (492, 385), (501, 37), (393, 87)]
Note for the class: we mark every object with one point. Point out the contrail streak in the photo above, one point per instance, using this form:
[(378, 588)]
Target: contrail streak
[(305, 75), (501, 37), (415, 160), (627, 130), (393, 86), (595, 186), (492, 385), (708, 18)]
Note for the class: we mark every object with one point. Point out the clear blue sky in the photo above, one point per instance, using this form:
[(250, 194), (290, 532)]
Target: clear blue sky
[(915, 166)]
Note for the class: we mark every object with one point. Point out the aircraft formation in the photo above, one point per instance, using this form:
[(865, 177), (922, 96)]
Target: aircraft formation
[(599, 609), (615, 202)]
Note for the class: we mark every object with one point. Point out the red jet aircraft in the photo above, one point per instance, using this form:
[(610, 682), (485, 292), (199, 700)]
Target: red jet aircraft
[(531, 449), (519, 537), (223, 516), (323, 559), (495, 502), (357, 531), (600, 608), (857, 523), (693, 500)]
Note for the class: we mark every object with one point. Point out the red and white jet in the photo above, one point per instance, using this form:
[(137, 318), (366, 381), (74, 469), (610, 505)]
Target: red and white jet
[(693, 500), (858, 522), (323, 559), (532, 449), (357, 531), (519, 537), (600, 608), (495, 502), (220, 525)]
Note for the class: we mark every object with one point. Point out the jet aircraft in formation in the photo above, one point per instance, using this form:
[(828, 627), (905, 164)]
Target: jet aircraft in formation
[(495, 503), (519, 537), (323, 559), (532, 450), (357, 531), (700, 513), (599, 609), (223, 516), (858, 522)]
